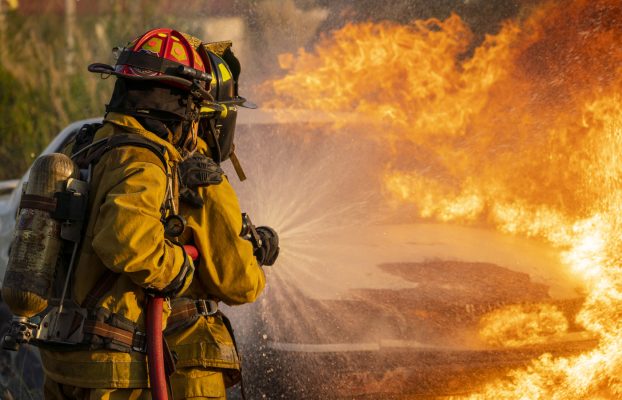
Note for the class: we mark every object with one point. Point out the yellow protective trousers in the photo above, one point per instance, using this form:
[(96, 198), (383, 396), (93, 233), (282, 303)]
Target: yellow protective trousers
[(186, 383)]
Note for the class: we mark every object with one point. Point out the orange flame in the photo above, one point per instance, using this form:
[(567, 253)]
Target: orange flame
[(523, 132), (518, 325)]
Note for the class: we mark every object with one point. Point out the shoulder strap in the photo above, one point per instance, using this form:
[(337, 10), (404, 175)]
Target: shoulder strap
[(84, 138), (99, 148)]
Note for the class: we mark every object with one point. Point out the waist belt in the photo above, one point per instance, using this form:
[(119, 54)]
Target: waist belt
[(135, 340), (185, 312), (116, 338), (73, 330), (108, 330)]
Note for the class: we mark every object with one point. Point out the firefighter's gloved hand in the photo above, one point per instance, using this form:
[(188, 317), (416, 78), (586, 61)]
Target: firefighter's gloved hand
[(180, 283), (268, 252), (197, 171), (200, 170)]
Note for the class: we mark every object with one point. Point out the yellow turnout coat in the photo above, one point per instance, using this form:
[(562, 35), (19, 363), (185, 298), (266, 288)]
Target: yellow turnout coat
[(124, 234), (226, 271)]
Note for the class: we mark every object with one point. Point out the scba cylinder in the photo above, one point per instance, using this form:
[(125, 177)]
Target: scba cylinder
[(37, 242)]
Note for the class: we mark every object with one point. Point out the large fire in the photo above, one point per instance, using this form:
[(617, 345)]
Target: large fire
[(522, 132), (521, 325)]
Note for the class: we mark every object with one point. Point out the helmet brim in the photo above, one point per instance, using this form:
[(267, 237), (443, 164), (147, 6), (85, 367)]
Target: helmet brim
[(99, 68), (247, 104)]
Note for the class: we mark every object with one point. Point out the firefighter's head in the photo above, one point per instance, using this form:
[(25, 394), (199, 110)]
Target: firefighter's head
[(163, 79), (170, 80), (218, 120)]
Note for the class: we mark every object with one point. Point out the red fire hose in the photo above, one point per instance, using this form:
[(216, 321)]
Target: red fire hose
[(155, 341), (155, 349)]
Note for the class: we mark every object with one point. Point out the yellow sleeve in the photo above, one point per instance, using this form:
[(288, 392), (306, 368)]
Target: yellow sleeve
[(227, 267), (128, 235)]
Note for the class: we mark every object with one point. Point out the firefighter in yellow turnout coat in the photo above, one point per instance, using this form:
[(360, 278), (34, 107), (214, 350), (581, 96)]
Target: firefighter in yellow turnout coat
[(227, 271), (126, 252), (124, 235), (231, 250)]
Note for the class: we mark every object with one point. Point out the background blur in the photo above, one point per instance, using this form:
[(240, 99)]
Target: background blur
[(46, 45)]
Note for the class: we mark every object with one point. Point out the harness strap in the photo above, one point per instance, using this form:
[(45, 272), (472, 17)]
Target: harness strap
[(185, 311), (36, 202), (135, 340), (102, 286), (128, 139), (83, 140)]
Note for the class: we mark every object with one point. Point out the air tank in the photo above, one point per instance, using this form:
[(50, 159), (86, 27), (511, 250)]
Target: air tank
[(36, 244)]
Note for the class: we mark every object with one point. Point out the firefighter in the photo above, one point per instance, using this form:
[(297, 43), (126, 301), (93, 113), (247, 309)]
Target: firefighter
[(230, 250), (127, 253), (166, 82)]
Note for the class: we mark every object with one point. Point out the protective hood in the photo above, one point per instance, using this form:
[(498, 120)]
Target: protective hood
[(162, 109), (157, 101)]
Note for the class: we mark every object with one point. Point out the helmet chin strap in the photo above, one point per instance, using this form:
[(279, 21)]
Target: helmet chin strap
[(214, 138), (188, 129)]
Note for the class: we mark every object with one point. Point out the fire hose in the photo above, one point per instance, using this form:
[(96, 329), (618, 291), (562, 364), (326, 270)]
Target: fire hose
[(155, 348), (155, 340)]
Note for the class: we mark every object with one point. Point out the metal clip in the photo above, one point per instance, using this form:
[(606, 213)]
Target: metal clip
[(141, 339), (206, 307)]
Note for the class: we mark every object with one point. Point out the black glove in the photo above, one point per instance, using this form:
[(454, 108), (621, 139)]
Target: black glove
[(268, 250), (196, 171)]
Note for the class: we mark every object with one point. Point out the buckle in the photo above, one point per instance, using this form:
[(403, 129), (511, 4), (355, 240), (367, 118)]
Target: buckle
[(206, 307), (139, 342)]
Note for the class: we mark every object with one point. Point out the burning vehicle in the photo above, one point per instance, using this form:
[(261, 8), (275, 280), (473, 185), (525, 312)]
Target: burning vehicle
[(449, 211), (366, 305), (518, 134)]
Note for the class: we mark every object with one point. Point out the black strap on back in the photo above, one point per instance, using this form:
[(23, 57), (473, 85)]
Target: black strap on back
[(126, 139), (84, 138)]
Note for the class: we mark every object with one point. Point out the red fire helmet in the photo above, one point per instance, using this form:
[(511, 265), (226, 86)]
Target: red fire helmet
[(163, 55)]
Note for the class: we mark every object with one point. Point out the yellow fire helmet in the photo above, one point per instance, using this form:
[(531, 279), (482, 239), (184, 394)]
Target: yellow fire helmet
[(219, 118)]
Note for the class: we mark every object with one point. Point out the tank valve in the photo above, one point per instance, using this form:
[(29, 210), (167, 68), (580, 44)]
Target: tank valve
[(21, 331)]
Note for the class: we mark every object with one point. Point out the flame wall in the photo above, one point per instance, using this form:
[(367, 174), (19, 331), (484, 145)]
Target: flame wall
[(521, 132)]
